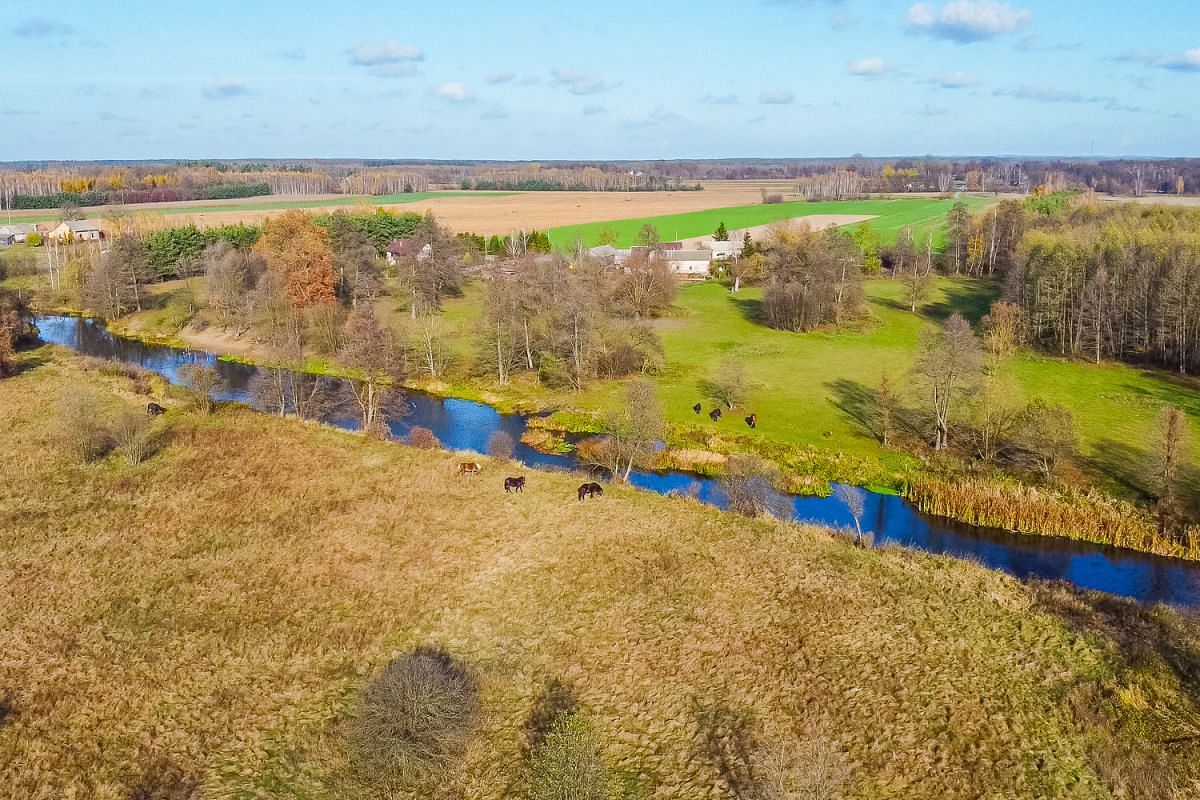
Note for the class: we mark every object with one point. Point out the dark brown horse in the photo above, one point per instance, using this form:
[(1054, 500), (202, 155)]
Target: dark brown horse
[(154, 409), (514, 484), (696, 408), (752, 420), (590, 490), (715, 414)]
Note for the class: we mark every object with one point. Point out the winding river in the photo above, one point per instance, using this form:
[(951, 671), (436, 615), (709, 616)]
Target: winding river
[(465, 425)]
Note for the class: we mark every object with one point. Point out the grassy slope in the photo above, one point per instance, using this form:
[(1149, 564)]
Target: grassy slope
[(925, 215), (216, 609), (186, 207)]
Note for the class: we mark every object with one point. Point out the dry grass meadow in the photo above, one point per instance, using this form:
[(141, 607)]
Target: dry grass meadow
[(201, 625)]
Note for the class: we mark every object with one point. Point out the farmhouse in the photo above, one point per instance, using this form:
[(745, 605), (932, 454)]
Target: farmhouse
[(79, 230), (401, 249), (721, 249), (688, 263), (16, 232)]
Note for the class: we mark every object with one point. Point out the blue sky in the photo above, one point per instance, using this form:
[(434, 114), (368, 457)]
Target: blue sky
[(525, 80)]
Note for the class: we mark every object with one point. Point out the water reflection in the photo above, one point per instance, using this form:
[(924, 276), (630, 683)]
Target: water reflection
[(464, 425)]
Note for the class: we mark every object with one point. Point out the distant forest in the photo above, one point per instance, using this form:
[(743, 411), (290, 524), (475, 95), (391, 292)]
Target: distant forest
[(27, 185)]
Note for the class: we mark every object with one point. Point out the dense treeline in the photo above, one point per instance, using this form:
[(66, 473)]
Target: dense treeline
[(231, 191), (56, 200), (1112, 282), (812, 278)]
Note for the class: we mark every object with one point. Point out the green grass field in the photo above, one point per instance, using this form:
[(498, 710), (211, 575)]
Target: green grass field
[(924, 215), (815, 388), (269, 205)]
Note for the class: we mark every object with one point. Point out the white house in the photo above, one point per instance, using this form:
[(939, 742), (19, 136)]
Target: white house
[(688, 263), (401, 249), (79, 230), (719, 249), (16, 232)]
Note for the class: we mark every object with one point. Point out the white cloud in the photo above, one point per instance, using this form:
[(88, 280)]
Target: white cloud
[(868, 67), (966, 20), (225, 87), (1187, 61), (656, 117), (776, 97), (579, 82), (42, 28), (389, 59), (594, 108), (956, 80), (500, 76), (720, 100), (454, 91), (293, 53)]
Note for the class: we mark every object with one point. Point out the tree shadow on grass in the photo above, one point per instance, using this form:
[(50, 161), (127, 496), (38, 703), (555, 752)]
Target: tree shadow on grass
[(1170, 389), (751, 309), (1122, 465), (858, 401), (972, 300)]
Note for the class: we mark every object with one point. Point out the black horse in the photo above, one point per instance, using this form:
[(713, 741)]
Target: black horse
[(752, 420), (696, 408), (590, 490), (154, 409), (715, 414), (514, 484)]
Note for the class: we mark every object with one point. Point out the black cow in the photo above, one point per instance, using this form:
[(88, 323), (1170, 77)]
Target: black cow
[(590, 490), (715, 414), (514, 484), (154, 409), (696, 408), (752, 420)]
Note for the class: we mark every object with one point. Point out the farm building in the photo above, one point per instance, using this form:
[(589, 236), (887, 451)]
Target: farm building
[(688, 263), (16, 232), (80, 230), (721, 249), (401, 249)]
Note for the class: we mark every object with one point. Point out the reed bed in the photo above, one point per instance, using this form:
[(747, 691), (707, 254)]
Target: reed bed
[(1066, 513)]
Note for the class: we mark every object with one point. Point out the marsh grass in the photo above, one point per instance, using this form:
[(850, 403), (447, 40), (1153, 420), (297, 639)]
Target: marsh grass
[(226, 608)]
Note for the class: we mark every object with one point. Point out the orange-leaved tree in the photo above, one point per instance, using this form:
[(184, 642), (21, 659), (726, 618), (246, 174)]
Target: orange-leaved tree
[(298, 251)]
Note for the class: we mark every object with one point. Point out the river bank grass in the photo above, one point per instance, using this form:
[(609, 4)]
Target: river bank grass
[(210, 616)]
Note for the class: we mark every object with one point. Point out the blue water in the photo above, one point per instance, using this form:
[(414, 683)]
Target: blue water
[(464, 425)]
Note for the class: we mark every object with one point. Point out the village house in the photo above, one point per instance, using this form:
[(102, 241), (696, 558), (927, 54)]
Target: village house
[(688, 263), (402, 249), (79, 230), (16, 232)]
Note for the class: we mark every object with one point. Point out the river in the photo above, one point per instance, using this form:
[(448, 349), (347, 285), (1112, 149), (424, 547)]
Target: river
[(466, 425)]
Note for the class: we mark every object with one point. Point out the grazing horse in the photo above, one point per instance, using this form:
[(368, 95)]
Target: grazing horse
[(514, 484), (696, 408), (469, 468), (154, 409), (590, 490), (715, 414), (752, 420)]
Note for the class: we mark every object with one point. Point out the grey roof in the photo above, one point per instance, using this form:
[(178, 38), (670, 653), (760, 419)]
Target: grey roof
[(688, 255), (83, 225), (603, 251), (17, 228)]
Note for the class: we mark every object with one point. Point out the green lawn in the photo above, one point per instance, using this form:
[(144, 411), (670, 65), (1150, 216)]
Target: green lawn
[(273, 205), (815, 388), (923, 214)]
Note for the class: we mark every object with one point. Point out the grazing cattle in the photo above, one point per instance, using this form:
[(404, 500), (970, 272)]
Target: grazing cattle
[(752, 420), (590, 490), (715, 414), (514, 484), (469, 468), (154, 409), (696, 408)]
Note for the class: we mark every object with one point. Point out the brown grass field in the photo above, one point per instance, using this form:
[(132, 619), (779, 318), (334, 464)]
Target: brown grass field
[(203, 622), (501, 215)]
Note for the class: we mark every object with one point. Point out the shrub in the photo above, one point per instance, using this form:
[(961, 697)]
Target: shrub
[(553, 372), (423, 438), (569, 764), (416, 718), (554, 702), (751, 487), (133, 437), (201, 381), (81, 425), (814, 770), (501, 446)]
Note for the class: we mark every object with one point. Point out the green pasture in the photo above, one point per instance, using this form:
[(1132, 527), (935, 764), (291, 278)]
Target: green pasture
[(923, 214)]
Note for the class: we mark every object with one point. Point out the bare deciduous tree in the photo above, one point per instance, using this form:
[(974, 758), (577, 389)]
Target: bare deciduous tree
[(371, 351), (948, 365)]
